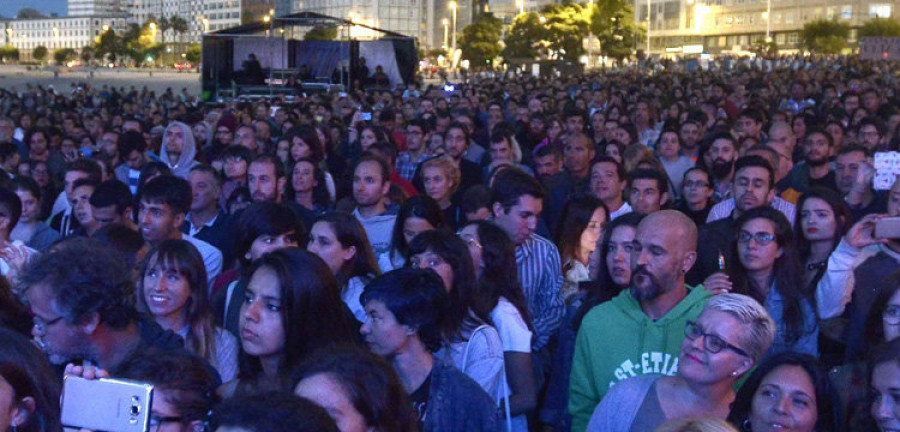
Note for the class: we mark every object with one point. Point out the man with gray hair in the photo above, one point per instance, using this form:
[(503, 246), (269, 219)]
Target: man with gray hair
[(639, 331)]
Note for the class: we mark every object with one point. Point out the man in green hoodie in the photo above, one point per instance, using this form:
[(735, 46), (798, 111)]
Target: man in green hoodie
[(639, 331)]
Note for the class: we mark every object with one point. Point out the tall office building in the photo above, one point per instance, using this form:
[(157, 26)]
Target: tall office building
[(94, 7), (413, 18)]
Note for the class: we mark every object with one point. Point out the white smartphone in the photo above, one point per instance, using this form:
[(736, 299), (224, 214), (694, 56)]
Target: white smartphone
[(112, 405)]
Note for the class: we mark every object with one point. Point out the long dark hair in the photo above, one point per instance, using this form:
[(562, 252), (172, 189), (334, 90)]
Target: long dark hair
[(843, 218), (419, 206), (874, 330), (500, 277), (786, 272), (370, 384), (27, 370), (321, 196), (349, 232), (573, 221), (604, 288), (464, 292), (309, 136), (825, 404), (308, 290)]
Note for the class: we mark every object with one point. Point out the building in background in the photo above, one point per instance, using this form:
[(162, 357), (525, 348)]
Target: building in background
[(74, 32), (723, 26), (414, 18)]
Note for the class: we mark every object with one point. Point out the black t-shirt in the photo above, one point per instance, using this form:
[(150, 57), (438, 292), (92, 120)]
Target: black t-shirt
[(420, 401), (828, 181)]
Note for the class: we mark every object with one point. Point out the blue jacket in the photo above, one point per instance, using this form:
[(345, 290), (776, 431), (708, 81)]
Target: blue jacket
[(458, 404)]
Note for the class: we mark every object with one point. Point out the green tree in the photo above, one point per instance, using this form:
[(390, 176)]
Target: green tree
[(179, 26), (194, 53), (109, 45), (39, 53), (612, 23), (321, 33), (29, 13), (480, 41), (63, 55), (883, 27), (825, 36), (763, 48), (567, 26), (9, 53), (87, 53), (524, 37)]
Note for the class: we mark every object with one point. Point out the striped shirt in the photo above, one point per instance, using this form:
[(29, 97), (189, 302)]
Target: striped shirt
[(723, 209), (540, 274)]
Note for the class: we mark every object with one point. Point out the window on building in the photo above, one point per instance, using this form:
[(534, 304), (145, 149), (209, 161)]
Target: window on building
[(846, 12), (879, 10)]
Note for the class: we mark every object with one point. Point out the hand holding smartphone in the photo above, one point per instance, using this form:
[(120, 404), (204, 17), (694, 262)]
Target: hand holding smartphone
[(112, 405)]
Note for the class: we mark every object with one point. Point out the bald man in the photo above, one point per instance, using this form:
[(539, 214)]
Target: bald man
[(639, 332)]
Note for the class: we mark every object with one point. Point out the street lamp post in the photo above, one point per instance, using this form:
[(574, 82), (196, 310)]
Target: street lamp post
[(452, 6), (521, 5), (649, 23), (768, 19), (590, 36), (446, 24)]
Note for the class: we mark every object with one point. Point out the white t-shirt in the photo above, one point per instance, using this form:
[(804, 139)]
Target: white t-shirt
[(515, 337)]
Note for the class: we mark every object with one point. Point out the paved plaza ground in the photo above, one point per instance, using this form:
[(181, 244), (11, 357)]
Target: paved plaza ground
[(18, 76)]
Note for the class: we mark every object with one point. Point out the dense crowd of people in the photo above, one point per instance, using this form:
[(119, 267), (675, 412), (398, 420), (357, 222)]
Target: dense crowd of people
[(640, 250)]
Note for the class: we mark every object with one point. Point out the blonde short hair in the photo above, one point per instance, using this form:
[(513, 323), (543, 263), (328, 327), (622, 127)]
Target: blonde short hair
[(758, 328), (449, 167)]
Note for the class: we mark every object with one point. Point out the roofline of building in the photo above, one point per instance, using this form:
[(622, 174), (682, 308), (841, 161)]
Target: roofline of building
[(300, 18), (118, 15)]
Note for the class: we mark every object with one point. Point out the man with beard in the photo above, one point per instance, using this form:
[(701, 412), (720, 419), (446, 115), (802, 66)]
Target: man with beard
[(266, 180), (80, 296), (753, 187), (689, 132), (818, 147), (720, 157), (371, 183), (639, 331)]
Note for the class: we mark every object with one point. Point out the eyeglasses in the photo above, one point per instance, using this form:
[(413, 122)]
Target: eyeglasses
[(42, 326), (711, 342), (762, 238), (469, 239), (891, 315), (693, 184), (157, 421)]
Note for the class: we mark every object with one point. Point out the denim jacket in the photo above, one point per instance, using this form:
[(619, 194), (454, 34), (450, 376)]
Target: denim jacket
[(808, 342), (458, 404)]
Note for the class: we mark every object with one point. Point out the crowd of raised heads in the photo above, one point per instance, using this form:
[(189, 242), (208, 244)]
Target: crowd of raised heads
[(615, 251)]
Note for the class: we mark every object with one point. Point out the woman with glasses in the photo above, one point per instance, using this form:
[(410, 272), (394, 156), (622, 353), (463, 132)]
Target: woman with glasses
[(882, 326), (494, 256), (696, 195), (184, 389), (885, 379), (730, 336), (471, 342), (769, 271), (578, 234), (788, 392)]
